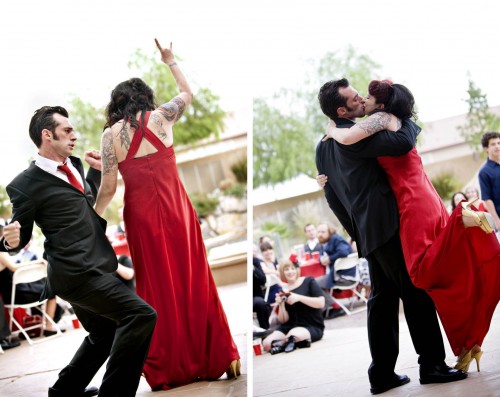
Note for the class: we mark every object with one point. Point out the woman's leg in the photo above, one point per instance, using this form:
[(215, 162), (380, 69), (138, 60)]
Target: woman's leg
[(276, 335), (300, 333)]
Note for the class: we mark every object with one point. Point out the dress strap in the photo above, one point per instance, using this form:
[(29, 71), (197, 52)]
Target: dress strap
[(144, 132)]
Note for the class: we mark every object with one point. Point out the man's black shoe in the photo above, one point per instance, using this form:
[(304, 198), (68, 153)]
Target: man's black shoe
[(396, 381), (88, 392), (6, 344), (440, 373)]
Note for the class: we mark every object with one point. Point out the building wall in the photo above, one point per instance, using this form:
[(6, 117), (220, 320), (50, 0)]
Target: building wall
[(201, 169)]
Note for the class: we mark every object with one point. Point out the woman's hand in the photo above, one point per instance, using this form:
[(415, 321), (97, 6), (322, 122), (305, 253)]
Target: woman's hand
[(293, 298), (329, 130), (167, 55), (321, 179)]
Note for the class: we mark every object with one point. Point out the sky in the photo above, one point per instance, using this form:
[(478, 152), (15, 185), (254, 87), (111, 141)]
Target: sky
[(54, 49)]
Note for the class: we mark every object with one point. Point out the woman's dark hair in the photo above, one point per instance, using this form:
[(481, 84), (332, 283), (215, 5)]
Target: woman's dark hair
[(265, 246), (128, 98), (396, 98), (43, 119), (453, 205)]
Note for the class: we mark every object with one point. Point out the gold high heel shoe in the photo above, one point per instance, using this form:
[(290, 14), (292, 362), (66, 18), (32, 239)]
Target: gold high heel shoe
[(464, 362), (234, 370), (480, 218), (477, 356)]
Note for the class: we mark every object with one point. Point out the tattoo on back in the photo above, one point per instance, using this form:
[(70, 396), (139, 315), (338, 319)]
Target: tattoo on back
[(124, 137), (375, 124)]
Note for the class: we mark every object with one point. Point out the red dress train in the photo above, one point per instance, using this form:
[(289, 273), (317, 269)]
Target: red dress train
[(192, 339), (459, 267)]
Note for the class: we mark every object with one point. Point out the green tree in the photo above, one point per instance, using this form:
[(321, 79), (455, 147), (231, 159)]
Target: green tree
[(282, 145), (203, 118), (288, 126), (5, 206), (479, 119)]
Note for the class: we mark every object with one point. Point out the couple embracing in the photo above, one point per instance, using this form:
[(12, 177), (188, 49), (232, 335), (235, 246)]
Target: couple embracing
[(375, 184)]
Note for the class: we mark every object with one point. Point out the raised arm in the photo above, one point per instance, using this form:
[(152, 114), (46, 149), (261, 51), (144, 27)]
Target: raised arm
[(173, 110), (109, 172), (376, 122)]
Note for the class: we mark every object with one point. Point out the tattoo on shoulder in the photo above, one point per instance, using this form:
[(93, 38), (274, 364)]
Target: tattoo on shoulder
[(173, 110), (375, 123), (109, 160), (156, 120)]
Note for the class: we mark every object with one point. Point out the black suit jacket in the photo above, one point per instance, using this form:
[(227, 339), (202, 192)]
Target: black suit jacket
[(76, 245), (358, 191)]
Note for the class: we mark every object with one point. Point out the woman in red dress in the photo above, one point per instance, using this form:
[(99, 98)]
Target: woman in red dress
[(192, 340), (456, 262)]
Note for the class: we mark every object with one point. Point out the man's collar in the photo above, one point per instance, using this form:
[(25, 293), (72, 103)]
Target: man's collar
[(342, 121)]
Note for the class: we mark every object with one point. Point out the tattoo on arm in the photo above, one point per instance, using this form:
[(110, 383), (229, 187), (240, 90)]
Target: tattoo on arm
[(174, 109), (375, 124), (109, 160)]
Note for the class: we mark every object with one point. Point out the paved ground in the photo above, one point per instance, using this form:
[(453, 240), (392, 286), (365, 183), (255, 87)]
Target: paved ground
[(28, 371), (337, 366)]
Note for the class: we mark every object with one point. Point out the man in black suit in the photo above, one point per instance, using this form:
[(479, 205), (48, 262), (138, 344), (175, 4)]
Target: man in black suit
[(81, 261), (359, 194)]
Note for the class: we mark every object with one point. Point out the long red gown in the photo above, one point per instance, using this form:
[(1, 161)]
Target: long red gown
[(191, 339), (459, 267)]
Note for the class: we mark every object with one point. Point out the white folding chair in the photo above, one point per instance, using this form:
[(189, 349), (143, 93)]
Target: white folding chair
[(349, 262), (29, 274)]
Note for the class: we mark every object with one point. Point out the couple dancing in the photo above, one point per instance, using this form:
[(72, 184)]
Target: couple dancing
[(175, 332), (371, 174)]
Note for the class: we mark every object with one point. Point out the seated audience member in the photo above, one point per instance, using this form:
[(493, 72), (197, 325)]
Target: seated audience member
[(260, 306), (269, 267), (472, 193), (26, 292), (26, 254), (334, 246), (125, 271), (312, 244), (456, 199), (299, 312), (5, 342)]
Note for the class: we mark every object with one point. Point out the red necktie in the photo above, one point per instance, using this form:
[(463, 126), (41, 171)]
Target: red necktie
[(71, 178)]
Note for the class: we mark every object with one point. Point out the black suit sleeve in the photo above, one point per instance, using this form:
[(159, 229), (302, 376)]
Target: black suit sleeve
[(23, 211), (386, 143), (93, 178)]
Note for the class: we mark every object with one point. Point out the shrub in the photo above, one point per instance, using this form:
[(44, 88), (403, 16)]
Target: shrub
[(240, 171), (204, 204)]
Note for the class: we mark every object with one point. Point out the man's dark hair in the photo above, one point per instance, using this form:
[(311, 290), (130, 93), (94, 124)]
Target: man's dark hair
[(330, 99), (485, 139), (43, 119), (128, 98)]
